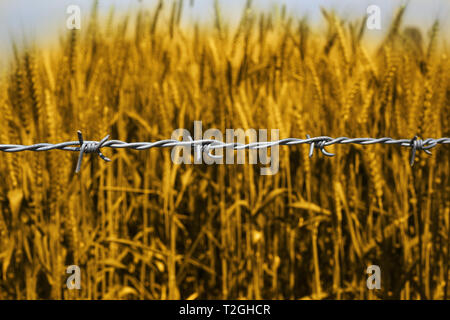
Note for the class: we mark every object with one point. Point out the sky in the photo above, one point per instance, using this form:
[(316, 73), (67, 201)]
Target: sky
[(41, 21)]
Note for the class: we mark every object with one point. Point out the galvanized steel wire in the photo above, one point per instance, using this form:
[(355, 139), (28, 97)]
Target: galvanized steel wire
[(83, 146)]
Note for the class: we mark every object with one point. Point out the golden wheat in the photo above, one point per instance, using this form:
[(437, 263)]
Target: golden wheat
[(141, 227)]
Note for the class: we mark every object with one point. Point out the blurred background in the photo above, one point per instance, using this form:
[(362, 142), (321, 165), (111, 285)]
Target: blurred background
[(43, 21), (141, 227)]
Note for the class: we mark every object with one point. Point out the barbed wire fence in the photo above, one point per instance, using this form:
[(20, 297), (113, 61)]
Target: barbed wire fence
[(207, 145)]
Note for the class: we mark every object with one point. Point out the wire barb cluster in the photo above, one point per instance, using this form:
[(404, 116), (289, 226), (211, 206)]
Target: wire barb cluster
[(84, 146)]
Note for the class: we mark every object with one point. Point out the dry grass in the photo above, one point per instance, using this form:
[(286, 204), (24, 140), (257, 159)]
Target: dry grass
[(144, 228)]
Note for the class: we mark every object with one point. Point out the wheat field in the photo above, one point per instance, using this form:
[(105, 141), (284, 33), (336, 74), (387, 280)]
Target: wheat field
[(142, 227)]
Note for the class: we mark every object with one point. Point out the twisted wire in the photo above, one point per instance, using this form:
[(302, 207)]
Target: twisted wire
[(84, 146)]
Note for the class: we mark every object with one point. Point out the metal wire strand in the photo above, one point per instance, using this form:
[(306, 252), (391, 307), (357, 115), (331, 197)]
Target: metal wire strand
[(83, 146)]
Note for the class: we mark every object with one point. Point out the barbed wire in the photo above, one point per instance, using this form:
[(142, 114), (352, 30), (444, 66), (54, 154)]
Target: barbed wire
[(207, 145)]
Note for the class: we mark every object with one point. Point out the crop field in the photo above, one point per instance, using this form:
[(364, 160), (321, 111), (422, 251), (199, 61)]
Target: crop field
[(142, 227)]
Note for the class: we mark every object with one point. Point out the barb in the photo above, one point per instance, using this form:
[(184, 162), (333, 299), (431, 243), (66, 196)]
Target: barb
[(90, 147), (83, 146), (417, 144), (321, 145)]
